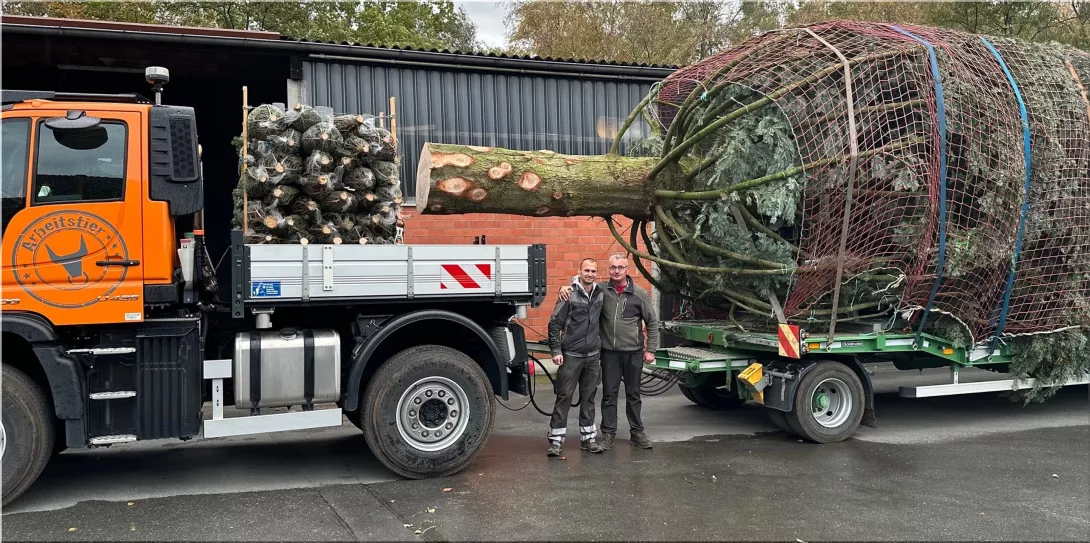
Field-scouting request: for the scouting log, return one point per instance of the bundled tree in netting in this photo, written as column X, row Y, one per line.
column 309, row 176
column 934, row 180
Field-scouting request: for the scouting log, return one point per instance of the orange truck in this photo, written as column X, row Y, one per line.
column 111, row 336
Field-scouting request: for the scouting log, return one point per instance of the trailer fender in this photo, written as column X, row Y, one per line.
column 61, row 371
column 780, row 393
column 367, row 344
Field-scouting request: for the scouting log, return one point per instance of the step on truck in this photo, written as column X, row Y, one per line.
column 816, row 386
column 110, row 336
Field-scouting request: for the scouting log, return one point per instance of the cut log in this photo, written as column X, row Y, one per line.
column 466, row 179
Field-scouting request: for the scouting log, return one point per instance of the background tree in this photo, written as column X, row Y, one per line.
column 420, row 24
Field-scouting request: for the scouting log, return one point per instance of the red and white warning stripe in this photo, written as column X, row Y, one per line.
column 465, row 276
column 790, row 338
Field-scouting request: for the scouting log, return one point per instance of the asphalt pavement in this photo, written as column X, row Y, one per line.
column 955, row 468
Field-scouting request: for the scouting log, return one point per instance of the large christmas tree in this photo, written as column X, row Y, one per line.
column 926, row 178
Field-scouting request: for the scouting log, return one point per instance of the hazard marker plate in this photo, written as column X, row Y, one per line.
column 789, row 340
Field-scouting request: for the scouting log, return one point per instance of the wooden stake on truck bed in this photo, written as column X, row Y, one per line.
column 245, row 117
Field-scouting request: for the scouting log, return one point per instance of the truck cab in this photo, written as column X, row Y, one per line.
column 86, row 221
column 114, row 328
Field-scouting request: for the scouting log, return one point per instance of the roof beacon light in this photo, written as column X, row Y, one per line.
column 157, row 76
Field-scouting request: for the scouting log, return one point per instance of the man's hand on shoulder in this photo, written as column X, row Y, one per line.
column 564, row 294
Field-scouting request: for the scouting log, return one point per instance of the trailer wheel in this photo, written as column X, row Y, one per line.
column 829, row 403
column 427, row 411
column 779, row 418
column 712, row 398
column 26, row 432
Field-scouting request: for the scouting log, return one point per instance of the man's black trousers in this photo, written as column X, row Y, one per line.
column 584, row 371
column 620, row 366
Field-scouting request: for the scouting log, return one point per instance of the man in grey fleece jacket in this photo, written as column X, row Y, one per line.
column 575, row 342
column 626, row 309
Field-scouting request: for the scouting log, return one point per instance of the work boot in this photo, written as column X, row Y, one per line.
column 641, row 440
column 592, row 446
column 554, row 449
column 607, row 442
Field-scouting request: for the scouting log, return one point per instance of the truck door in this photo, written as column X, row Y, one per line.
column 73, row 238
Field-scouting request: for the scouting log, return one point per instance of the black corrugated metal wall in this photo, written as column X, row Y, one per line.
column 569, row 115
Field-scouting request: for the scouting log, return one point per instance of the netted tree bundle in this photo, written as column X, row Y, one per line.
column 301, row 117
column 281, row 196
column 379, row 141
column 322, row 137
column 318, row 162
column 319, row 185
column 325, row 231
column 360, row 178
column 307, row 173
column 935, row 180
column 307, row 208
column 348, row 124
column 341, row 201
column 264, row 121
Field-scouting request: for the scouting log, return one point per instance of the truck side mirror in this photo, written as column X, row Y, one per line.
column 74, row 120
column 78, row 131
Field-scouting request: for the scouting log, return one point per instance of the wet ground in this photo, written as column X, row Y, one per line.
column 956, row 468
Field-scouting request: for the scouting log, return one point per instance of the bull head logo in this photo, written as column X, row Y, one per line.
column 72, row 262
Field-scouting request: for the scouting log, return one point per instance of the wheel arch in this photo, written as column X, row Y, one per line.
column 440, row 327
column 31, row 344
column 804, row 367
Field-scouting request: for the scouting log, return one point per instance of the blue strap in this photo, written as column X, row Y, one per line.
column 1025, row 199
column 942, row 177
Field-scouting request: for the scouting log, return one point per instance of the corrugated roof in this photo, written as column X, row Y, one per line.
column 489, row 54
column 250, row 35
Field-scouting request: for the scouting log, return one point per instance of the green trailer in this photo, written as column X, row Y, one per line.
column 813, row 386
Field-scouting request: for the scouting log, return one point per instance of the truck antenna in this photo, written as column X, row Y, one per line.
column 157, row 76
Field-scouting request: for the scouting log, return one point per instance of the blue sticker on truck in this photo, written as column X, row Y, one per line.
column 264, row 289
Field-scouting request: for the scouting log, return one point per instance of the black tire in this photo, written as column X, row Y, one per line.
column 449, row 371
column 837, row 382
column 28, row 422
column 779, row 418
column 688, row 393
column 711, row 397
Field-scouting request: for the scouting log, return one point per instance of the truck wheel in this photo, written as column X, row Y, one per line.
column 779, row 418
column 26, row 432
column 427, row 411
column 711, row 397
column 828, row 403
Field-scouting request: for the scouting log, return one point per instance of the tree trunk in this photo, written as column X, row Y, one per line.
column 454, row 179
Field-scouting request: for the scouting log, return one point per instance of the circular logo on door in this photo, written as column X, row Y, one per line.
column 56, row 259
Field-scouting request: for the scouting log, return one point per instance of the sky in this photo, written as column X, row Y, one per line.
column 488, row 16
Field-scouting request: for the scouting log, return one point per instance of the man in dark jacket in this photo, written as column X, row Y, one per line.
column 575, row 343
column 626, row 309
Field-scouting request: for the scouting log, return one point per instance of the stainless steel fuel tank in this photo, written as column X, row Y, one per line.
column 278, row 359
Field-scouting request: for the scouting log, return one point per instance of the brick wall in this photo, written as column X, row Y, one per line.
column 568, row 241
